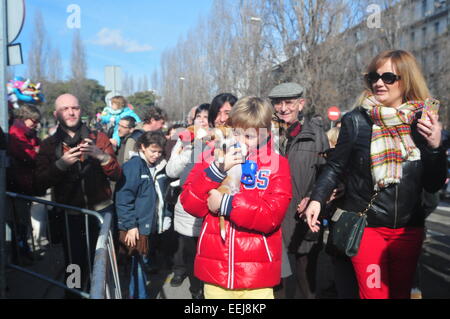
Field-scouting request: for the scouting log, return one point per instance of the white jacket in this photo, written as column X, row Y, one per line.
column 184, row 223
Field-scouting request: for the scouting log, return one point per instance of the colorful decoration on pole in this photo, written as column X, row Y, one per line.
column 23, row 91
column 334, row 113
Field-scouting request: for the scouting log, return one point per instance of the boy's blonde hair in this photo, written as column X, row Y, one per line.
column 251, row 112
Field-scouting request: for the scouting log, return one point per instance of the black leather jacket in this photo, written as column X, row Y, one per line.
column 396, row 206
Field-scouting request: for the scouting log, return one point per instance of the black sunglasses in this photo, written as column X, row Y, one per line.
column 387, row 77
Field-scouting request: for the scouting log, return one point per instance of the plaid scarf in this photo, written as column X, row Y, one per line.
column 391, row 142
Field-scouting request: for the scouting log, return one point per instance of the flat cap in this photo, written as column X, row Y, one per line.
column 286, row 90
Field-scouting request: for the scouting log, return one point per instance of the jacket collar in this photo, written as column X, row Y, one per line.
column 160, row 165
column 306, row 132
column 20, row 124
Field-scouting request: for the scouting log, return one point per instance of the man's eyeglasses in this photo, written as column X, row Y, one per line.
column 387, row 77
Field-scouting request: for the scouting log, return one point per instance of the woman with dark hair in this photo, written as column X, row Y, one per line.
column 220, row 109
column 389, row 154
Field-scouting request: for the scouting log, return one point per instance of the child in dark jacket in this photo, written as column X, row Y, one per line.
column 138, row 206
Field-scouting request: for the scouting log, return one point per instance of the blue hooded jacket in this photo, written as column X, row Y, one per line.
column 136, row 197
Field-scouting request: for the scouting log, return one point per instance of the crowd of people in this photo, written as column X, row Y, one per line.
column 268, row 237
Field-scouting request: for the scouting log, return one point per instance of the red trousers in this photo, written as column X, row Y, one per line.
column 386, row 262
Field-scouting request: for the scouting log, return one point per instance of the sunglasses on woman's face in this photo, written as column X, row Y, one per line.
column 387, row 77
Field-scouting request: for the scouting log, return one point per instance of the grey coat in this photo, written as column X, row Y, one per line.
column 304, row 163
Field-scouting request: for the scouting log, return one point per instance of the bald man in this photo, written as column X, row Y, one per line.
column 77, row 164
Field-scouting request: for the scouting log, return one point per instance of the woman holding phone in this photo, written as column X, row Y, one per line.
column 389, row 154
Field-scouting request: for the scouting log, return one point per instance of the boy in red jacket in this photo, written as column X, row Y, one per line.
column 247, row 264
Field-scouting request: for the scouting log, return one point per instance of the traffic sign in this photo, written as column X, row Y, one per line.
column 113, row 78
column 15, row 18
column 334, row 113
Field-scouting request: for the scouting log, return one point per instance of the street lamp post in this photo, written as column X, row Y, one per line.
column 182, row 97
column 258, row 21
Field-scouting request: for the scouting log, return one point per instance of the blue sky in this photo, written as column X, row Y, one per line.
column 128, row 33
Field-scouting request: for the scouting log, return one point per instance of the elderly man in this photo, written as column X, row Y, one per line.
column 77, row 164
column 301, row 144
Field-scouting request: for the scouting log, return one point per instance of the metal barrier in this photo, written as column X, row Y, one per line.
column 105, row 282
column 104, row 276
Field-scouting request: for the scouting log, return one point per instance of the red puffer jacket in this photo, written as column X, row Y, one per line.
column 250, row 257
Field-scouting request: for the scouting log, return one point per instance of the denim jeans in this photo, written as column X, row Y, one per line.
column 138, row 278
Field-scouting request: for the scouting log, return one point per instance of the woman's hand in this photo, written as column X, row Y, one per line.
column 431, row 130
column 302, row 206
column 132, row 237
column 312, row 213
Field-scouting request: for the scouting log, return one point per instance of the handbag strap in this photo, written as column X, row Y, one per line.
column 369, row 206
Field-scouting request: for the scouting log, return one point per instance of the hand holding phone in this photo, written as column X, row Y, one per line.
column 71, row 154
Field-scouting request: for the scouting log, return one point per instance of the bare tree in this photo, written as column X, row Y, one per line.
column 37, row 55
column 145, row 86
column 78, row 61
column 155, row 80
column 139, row 85
column 303, row 40
column 55, row 68
column 125, row 85
column 131, row 84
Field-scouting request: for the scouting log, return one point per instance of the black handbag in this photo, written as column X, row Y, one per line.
column 347, row 230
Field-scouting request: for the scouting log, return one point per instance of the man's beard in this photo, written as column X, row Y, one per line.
column 65, row 126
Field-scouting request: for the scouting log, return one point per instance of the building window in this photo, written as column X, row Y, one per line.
column 436, row 29
column 424, row 7
column 424, row 62
column 436, row 60
column 424, row 36
column 413, row 37
column 357, row 37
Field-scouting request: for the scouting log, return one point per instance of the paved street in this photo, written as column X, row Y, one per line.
column 435, row 261
column 434, row 268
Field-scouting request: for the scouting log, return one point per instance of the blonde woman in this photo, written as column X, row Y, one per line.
column 384, row 148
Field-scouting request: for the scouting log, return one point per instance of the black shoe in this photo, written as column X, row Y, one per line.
column 198, row 295
column 177, row 280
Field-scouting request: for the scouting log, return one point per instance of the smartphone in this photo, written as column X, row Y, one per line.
column 431, row 107
column 67, row 148
column 86, row 141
